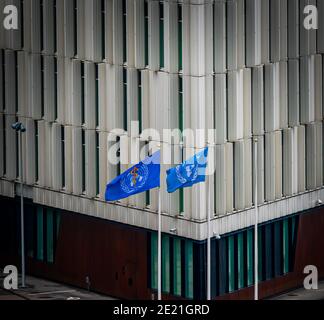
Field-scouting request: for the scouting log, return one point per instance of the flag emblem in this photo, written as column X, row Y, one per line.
column 135, row 179
column 188, row 173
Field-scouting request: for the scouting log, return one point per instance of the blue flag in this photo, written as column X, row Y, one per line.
column 141, row 177
column 189, row 173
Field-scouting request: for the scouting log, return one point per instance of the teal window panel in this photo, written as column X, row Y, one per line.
column 260, row 254
column 50, row 236
column 177, row 267
column 240, row 260
column 189, row 269
column 154, row 261
column 58, row 224
column 250, row 256
column 285, row 246
column 165, row 264
column 40, row 234
column 180, row 23
column 231, row 264
column 278, row 255
column 268, row 235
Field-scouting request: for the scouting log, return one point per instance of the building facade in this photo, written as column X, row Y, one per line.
column 77, row 70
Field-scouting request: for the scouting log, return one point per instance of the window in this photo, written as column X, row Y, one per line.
column 41, row 25
column 97, row 94
column 146, row 27
column 161, row 6
column 82, row 93
column 63, row 155
column 250, row 257
column 189, row 269
column 180, row 24
column 103, row 29
column 83, row 161
column 139, row 80
column 240, row 260
column 176, row 267
column 154, row 261
column 36, row 151
column 55, row 88
column 22, row 24
column 286, row 246
column 231, row 264
column 97, row 164
column 55, row 24
column 75, row 27
column 165, row 264
column 40, row 234
column 49, row 236
column 42, row 86
column 124, row 31
column 125, row 97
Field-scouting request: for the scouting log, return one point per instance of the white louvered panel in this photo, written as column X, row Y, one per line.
column 103, row 163
column 132, row 98
column 27, row 25
column 68, row 151
column 68, row 95
column 278, row 164
column 307, row 87
column 319, row 153
column 301, row 158
column 171, row 41
column 293, row 93
column 208, row 32
column 265, row 31
column 77, row 160
column 92, row 30
column 258, row 100
column 260, row 169
column 81, row 14
column 89, row 95
column 109, row 31
column 49, row 89
column 139, row 45
column 318, row 88
column 90, row 164
column 23, row 82
column 30, row 151
column 320, row 31
column 232, row 35
column 283, row 29
column 219, row 36
column 102, row 97
column 48, row 159
column 199, row 203
column 76, row 93
column 229, row 176
column 239, row 181
column 69, row 25
column 153, row 88
column 48, row 26
column 311, row 156
column 270, row 166
column 130, row 33
column 41, row 154
column 307, row 37
column 2, row 151
column 36, row 85
column 154, row 35
column 61, row 90
column 235, row 105
column 10, row 81
column 283, row 94
column 220, row 108
column 125, row 160
column 248, row 172
column 145, row 99
column 134, row 158
column 114, row 91
column 118, row 32
column 293, row 29
column 60, row 25
column 220, row 179
column 35, row 26
column 56, row 157
column 253, row 32
column 209, row 108
column 272, row 97
column 290, row 161
column 186, row 38
column 11, row 153
column 247, row 102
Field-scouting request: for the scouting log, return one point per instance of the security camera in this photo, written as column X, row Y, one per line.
column 319, row 202
column 18, row 126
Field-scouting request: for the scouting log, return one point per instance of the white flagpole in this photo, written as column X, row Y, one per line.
column 159, row 249
column 208, row 244
column 256, row 257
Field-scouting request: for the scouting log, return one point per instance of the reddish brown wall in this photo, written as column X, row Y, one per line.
column 112, row 255
column 309, row 251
